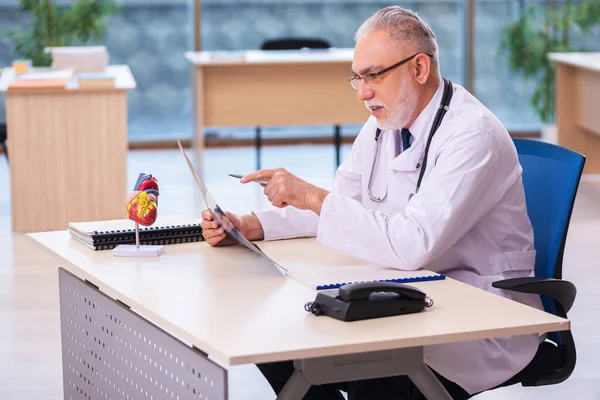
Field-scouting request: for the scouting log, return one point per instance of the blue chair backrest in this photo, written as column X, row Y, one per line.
column 551, row 176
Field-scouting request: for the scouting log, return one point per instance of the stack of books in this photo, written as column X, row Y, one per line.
column 95, row 80
column 81, row 58
column 40, row 79
column 106, row 235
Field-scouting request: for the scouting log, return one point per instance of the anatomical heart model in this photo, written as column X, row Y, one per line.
column 142, row 203
column 142, row 208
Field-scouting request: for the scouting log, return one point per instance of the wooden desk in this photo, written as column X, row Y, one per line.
column 68, row 152
column 226, row 306
column 262, row 88
column 577, row 98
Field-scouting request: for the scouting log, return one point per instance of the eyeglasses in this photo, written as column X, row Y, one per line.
column 357, row 81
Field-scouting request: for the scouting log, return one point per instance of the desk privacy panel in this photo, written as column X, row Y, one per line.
column 112, row 353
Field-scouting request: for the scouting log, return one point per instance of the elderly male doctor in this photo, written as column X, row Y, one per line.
column 467, row 220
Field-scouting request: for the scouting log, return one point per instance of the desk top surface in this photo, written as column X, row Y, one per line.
column 257, row 57
column 589, row 61
column 123, row 80
column 236, row 307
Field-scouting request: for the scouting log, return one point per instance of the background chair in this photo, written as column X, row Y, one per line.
column 294, row 44
column 297, row 44
column 551, row 177
column 3, row 137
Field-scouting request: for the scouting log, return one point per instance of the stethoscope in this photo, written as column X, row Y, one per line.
column 443, row 108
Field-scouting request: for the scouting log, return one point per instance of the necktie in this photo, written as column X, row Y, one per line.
column 405, row 139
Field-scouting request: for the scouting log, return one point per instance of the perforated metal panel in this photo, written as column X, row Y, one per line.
column 109, row 352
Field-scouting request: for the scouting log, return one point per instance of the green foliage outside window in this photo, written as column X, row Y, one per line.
column 543, row 28
column 50, row 25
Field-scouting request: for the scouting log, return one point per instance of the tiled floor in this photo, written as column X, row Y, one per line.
column 30, row 366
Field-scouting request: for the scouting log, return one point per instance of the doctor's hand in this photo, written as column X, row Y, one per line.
column 286, row 189
column 215, row 235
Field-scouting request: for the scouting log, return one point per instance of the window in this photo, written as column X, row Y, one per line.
column 504, row 92
column 243, row 24
column 151, row 36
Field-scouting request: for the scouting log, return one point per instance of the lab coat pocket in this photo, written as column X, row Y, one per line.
column 406, row 163
column 403, row 175
column 513, row 261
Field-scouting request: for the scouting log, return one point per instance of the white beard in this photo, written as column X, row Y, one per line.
column 400, row 113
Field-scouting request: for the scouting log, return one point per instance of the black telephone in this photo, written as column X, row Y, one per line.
column 359, row 301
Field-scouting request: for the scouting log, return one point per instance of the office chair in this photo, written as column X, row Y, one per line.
column 294, row 44
column 297, row 44
column 3, row 136
column 551, row 176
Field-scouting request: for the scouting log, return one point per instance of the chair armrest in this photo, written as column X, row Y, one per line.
column 562, row 291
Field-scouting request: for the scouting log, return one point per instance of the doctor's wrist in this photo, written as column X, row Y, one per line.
column 253, row 229
column 317, row 198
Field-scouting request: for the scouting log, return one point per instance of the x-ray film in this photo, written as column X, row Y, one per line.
column 220, row 216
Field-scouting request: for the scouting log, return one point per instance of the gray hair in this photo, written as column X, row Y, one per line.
column 404, row 26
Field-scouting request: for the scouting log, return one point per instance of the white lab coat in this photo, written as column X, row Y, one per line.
column 468, row 221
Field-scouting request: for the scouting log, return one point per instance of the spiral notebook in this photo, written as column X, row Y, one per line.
column 105, row 235
column 331, row 278
column 321, row 267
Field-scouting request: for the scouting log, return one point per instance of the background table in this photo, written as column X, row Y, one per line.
column 68, row 152
column 266, row 88
column 577, row 99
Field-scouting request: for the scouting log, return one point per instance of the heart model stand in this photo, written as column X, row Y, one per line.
column 142, row 207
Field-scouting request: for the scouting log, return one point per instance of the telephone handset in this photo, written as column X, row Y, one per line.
column 364, row 291
column 369, row 300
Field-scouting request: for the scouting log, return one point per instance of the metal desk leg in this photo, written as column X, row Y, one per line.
column 258, row 145
column 295, row 388
column 338, row 144
column 377, row 364
column 428, row 383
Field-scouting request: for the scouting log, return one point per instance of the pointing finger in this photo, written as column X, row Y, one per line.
column 263, row 174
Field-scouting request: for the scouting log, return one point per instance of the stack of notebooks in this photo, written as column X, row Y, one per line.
column 106, row 235
column 81, row 59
